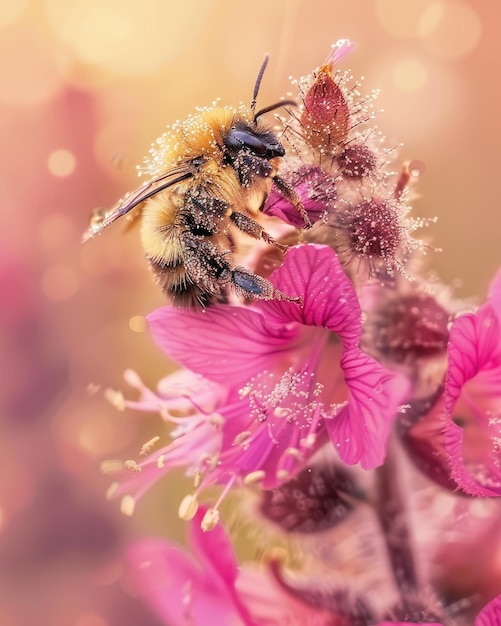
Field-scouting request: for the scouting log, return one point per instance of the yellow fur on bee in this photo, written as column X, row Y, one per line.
column 200, row 135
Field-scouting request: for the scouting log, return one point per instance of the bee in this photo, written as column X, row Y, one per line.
column 206, row 174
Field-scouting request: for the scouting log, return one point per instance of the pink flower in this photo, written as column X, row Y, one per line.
column 295, row 374
column 472, row 397
column 458, row 441
column 315, row 188
column 209, row 588
column 188, row 401
column 179, row 393
column 184, row 590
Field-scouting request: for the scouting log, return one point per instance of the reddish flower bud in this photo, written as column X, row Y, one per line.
column 317, row 499
column 375, row 229
column 412, row 327
column 326, row 114
column 357, row 160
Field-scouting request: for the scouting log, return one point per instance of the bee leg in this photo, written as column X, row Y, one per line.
column 293, row 197
column 256, row 287
column 250, row 227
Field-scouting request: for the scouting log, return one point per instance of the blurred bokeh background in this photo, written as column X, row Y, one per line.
column 85, row 87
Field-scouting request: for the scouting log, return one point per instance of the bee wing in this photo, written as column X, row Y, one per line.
column 99, row 220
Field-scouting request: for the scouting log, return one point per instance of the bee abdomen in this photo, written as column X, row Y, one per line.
column 203, row 213
column 198, row 276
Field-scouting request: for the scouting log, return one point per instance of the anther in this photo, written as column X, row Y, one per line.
column 130, row 464
column 210, row 520
column 111, row 466
column 197, row 479
column 115, row 398
column 127, row 505
column 254, row 477
column 146, row 447
column 188, row 507
column 112, row 490
column 132, row 378
column 283, row 474
column 242, row 438
column 216, row 419
column 309, row 441
column 294, row 453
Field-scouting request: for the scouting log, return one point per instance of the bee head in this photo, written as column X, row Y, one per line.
column 263, row 144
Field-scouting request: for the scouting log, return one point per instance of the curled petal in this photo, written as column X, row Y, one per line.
column 490, row 615
column 473, row 385
column 316, row 189
column 474, row 345
column 329, row 298
column 361, row 429
column 182, row 589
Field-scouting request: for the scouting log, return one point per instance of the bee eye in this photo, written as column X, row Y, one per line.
column 241, row 139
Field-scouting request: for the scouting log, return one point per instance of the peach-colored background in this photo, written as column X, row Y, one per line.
column 85, row 87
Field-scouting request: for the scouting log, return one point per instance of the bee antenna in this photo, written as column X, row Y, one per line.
column 272, row 107
column 258, row 81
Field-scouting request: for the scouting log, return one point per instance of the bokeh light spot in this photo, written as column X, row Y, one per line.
column 450, row 29
column 126, row 38
column 138, row 324
column 11, row 11
column 97, row 31
column 61, row 163
column 430, row 18
column 32, row 68
column 417, row 168
column 59, row 283
column 409, row 75
column 400, row 19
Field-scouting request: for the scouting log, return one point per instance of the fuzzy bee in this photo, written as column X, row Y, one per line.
column 206, row 173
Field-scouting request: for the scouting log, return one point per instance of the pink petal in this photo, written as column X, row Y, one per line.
column 361, row 429
column 329, row 298
column 482, row 481
column 178, row 392
column 184, row 452
column 223, row 343
column 316, row 190
column 475, row 366
column 490, row 615
column 232, row 343
column 176, row 588
column 474, row 343
column 339, row 50
column 270, row 605
column 213, row 550
column 422, row 432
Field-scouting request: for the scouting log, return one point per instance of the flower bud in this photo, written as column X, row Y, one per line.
column 326, row 116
